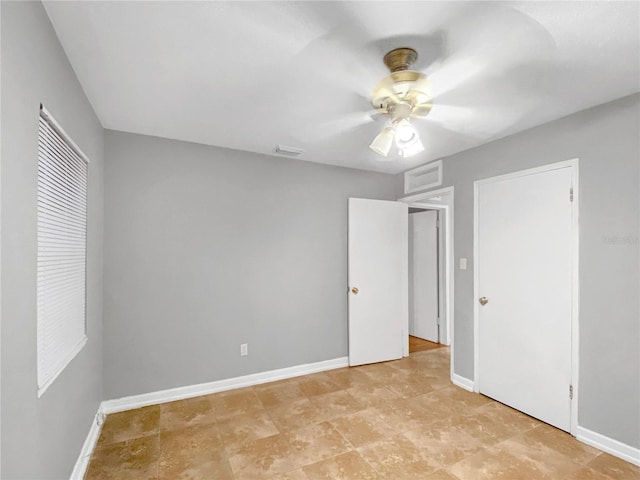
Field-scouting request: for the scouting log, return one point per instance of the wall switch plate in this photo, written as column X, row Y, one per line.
column 244, row 349
column 463, row 264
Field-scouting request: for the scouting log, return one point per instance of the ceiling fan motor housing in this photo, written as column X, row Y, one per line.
column 400, row 59
column 402, row 87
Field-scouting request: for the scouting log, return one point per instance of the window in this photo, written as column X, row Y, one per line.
column 62, row 250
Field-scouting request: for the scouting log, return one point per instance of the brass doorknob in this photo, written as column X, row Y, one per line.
column 354, row 290
column 483, row 300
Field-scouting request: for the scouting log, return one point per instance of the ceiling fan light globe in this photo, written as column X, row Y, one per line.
column 382, row 143
column 405, row 133
column 413, row 149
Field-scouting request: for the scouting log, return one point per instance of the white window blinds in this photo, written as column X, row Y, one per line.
column 62, row 250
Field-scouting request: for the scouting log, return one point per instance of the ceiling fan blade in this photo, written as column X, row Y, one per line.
column 479, row 122
column 338, row 59
column 487, row 41
column 321, row 131
column 461, row 120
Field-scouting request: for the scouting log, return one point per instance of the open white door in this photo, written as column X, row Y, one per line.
column 377, row 280
column 423, row 275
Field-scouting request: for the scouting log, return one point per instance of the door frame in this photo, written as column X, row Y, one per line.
column 422, row 200
column 575, row 303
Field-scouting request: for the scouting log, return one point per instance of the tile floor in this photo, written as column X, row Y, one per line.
column 397, row 420
column 419, row 345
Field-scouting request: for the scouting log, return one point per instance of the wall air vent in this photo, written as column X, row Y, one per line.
column 289, row 151
column 424, row 177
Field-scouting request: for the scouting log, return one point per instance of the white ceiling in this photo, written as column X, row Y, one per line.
column 251, row 75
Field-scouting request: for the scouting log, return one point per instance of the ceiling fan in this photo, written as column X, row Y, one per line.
column 400, row 97
column 426, row 87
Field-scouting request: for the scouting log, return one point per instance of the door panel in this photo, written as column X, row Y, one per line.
column 524, row 235
column 423, row 275
column 378, row 269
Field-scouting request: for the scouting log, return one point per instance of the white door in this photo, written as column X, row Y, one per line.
column 524, row 248
column 423, row 275
column 377, row 280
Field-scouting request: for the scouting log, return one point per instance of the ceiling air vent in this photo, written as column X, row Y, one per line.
column 289, row 151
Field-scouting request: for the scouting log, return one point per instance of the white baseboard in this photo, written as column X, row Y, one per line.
column 82, row 463
column 180, row 393
column 462, row 382
column 609, row 445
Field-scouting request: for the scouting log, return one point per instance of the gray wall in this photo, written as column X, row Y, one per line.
column 41, row 438
column 207, row 248
column 606, row 140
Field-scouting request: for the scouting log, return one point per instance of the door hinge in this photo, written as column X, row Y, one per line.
column 571, row 194
column 570, row 392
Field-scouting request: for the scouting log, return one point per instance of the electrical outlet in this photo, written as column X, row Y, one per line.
column 244, row 349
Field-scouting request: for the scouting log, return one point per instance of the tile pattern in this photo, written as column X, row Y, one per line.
column 400, row 420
